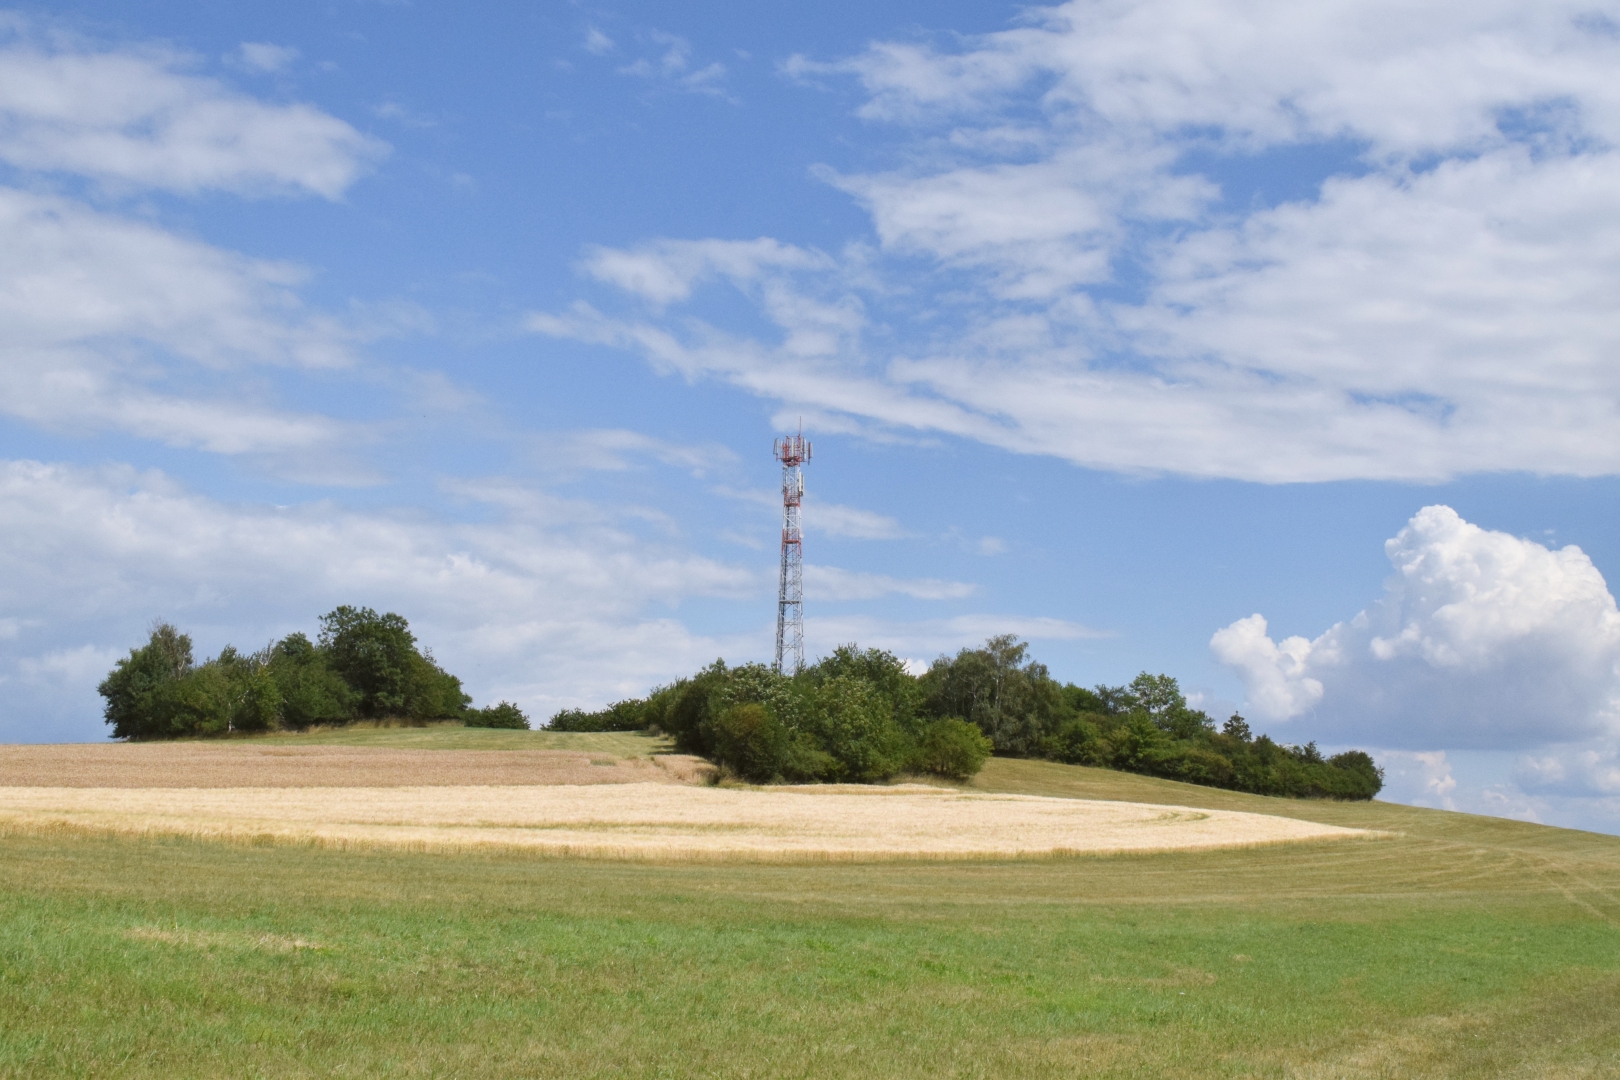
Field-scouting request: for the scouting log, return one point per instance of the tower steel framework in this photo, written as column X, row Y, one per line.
column 792, row 451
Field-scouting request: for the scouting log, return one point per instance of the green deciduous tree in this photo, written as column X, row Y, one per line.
column 376, row 656
column 365, row 664
column 134, row 688
column 311, row 692
column 858, row 715
column 1014, row 702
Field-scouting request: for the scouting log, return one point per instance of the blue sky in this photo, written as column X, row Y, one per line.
column 1114, row 326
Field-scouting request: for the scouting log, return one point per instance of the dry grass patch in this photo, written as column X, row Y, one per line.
column 660, row 820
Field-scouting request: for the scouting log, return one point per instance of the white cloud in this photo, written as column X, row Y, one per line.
column 108, row 323
column 674, row 65
column 549, row 603
column 399, row 114
column 134, row 116
column 1413, row 78
column 1424, row 778
column 1076, row 259
column 111, row 323
column 265, row 57
column 1273, row 672
column 87, row 664
column 1481, row 640
column 852, row 522
column 1041, row 228
column 1589, row 772
column 616, row 450
column 824, row 518
column 666, row 270
column 832, row 584
column 596, row 42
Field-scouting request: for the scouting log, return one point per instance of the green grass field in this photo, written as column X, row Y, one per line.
column 1465, row 947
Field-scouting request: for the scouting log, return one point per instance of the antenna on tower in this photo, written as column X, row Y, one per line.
column 792, row 451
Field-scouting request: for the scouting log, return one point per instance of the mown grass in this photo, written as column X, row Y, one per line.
column 1466, row 947
column 453, row 736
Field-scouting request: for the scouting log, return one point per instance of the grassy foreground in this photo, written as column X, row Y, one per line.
column 1467, row 947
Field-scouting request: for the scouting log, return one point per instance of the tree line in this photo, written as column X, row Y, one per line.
column 362, row 666
column 859, row 715
column 856, row 716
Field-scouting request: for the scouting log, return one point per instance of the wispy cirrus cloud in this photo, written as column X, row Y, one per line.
column 673, row 65
column 265, row 57
column 832, row 584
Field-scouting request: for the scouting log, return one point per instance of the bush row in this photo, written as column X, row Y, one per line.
column 853, row 717
column 362, row 666
column 860, row 716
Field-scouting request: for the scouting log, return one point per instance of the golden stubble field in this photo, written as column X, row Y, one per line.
column 560, row 802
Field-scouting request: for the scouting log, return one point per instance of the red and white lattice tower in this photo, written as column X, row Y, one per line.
column 792, row 451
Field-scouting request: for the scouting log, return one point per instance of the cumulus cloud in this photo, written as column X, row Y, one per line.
column 1420, row 778
column 135, row 116
column 1481, row 640
column 1077, row 261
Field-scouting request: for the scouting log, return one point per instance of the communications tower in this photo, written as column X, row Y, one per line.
column 792, row 451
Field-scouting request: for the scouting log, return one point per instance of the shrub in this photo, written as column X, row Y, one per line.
column 1077, row 741
column 682, row 709
column 952, row 748
column 501, row 715
column 1131, row 745
column 854, row 725
column 620, row 716
column 751, row 742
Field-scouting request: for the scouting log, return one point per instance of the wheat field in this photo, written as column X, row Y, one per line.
column 1455, row 948
column 658, row 820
